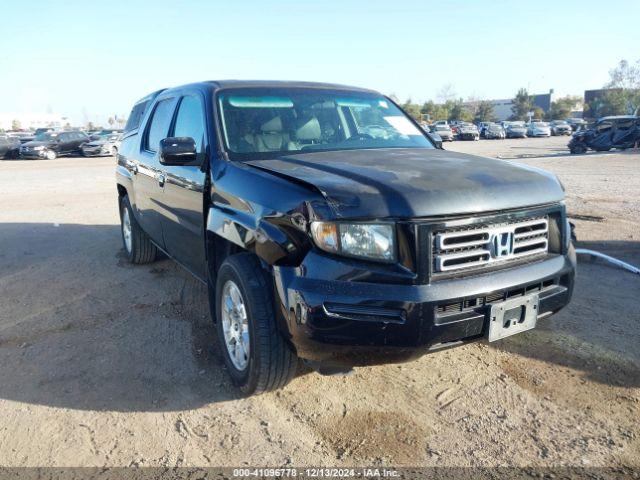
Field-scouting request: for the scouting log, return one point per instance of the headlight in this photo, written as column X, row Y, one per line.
column 374, row 241
column 38, row 148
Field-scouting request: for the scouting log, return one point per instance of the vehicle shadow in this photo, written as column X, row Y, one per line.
column 81, row 328
column 598, row 333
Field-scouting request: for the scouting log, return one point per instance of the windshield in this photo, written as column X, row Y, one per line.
column 442, row 128
column 261, row 123
column 540, row 124
column 46, row 136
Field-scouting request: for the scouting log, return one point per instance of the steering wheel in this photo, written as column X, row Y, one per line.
column 360, row 136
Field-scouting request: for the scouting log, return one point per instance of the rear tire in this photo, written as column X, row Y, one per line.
column 270, row 363
column 138, row 247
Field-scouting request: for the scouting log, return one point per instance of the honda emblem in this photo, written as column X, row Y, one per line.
column 502, row 244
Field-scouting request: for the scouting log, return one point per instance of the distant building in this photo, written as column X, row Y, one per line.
column 591, row 95
column 31, row 120
column 502, row 108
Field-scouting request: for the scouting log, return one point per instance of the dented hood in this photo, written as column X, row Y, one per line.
column 408, row 183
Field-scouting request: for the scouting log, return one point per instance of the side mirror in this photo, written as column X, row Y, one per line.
column 177, row 150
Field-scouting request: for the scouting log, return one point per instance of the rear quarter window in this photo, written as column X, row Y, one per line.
column 625, row 124
column 135, row 117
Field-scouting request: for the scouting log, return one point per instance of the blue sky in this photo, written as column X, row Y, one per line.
column 94, row 59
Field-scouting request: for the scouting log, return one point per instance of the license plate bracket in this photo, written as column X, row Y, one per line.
column 512, row 316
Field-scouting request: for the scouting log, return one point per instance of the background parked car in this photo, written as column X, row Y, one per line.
column 9, row 146
column 23, row 136
column 560, row 127
column 40, row 130
column 468, row 131
column 105, row 145
column 515, row 129
column 444, row 131
column 538, row 128
column 454, row 125
column 494, row 131
column 482, row 126
column 50, row 145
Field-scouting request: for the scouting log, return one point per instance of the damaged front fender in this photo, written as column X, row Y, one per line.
column 263, row 213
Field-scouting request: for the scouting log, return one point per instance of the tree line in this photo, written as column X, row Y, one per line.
column 621, row 97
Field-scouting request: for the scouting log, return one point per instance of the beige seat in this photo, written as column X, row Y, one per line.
column 271, row 138
column 308, row 132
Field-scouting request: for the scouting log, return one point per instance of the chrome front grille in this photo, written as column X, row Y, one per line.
column 479, row 246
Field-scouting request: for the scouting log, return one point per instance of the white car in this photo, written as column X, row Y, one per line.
column 538, row 129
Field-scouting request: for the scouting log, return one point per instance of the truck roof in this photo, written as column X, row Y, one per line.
column 220, row 84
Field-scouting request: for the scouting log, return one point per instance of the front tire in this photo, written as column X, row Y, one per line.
column 51, row 155
column 578, row 149
column 255, row 353
column 137, row 245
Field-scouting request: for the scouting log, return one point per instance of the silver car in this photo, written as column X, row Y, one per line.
column 515, row 129
column 106, row 145
column 494, row 131
column 560, row 127
column 444, row 131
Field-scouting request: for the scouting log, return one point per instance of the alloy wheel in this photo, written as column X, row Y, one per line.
column 126, row 230
column 235, row 325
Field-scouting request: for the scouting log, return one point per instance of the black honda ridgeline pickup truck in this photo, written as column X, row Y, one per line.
column 329, row 228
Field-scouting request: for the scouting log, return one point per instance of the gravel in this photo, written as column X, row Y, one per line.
column 107, row 364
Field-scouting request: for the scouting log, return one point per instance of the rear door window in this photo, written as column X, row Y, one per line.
column 159, row 124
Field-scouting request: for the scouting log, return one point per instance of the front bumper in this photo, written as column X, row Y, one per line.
column 347, row 323
column 33, row 153
column 95, row 152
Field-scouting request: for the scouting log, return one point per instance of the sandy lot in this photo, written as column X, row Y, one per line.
column 106, row 364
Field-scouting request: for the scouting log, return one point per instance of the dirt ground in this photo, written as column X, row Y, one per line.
column 106, row 364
